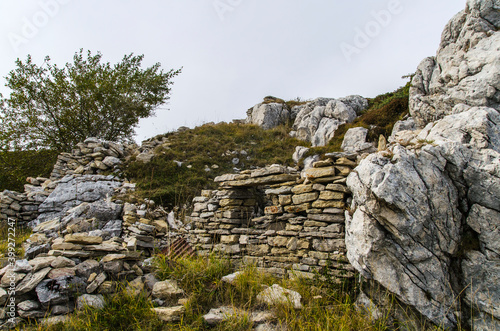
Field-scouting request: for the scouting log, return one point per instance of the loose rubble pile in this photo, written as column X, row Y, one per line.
column 301, row 229
column 91, row 157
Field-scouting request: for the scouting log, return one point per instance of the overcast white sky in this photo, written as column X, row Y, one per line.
column 235, row 52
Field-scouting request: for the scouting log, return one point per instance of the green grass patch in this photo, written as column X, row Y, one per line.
column 16, row 166
column 123, row 311
column 327, row 304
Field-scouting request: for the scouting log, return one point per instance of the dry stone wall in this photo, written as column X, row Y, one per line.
column 277, row 219
column 91, row 157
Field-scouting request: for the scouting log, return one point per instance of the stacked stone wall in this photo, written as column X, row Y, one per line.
column 281, row 220
column 91, row 157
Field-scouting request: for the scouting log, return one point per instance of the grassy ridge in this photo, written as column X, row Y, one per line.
column 209, row 147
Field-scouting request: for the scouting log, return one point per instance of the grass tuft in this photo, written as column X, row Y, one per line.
column 123, row 311
column 21, row 235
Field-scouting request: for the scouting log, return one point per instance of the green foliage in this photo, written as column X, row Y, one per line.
column 211, row 144
column 16, row 166
column 58, row 107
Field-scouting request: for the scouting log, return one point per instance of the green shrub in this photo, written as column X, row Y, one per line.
column 16, row 166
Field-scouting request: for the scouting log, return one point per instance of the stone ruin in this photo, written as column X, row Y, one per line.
column 273, row 218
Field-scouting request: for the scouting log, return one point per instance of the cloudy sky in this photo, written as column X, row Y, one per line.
column 234, row 52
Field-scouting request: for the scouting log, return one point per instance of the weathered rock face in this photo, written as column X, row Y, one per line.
column 466, row 67
column 318, row 120
column 414, row 208
column 268, row 115
column 355, row 141
column 72, row 191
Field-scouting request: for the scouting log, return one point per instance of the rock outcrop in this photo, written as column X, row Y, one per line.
column 415, row 206
column 426, row 210
column 71, row 191
column 466, row 67
column 318, row 120
column 315, row 121
column 268, row 115
column 355, row 141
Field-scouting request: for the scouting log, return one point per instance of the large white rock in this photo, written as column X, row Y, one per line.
column 355, row 141
column 408, row 226
column 465, row 68
column 88, row 191
column 268, row 115
column 275, row 295
column 318, row 120
column 166, row 289
column 299, row 153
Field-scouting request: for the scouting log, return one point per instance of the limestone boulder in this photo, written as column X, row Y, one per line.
column 408, row 231
column 268, row 115
column 318, row 120
column 71, row 191
column 465, row 68
column 276, row 294
column 355, row 141
column 166, row 289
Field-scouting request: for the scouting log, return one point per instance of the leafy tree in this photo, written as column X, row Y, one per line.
column 54, row 107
